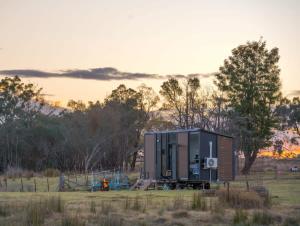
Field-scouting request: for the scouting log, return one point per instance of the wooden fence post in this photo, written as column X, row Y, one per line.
column 34, row 185
column 5, row 181
column 276, row 172
column 48, row 184
column 228, row 191
column 22, row 188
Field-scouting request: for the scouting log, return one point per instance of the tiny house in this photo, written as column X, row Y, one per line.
column 190, row 157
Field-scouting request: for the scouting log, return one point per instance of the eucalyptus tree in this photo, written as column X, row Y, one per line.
column 20, row 104
column 250, row 81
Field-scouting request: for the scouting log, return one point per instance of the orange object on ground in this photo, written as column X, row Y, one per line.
column 105, row 184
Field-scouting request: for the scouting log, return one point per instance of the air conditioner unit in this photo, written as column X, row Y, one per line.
column 211, row 163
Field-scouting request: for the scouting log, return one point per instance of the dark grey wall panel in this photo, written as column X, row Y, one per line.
column 205, row 138
column 158, row 156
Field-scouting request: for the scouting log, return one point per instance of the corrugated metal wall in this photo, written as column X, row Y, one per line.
column 225, row 161
column 182, row 139
column 149, row 156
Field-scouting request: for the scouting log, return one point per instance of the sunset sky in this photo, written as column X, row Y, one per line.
column 148, row 37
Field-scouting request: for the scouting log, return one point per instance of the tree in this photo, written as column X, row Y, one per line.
column 182, row 102
column 294, row 119
column 20, row 104
column 250, row 80
column 289, row 113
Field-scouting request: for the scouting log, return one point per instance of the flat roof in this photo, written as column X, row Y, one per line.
column 188, row 130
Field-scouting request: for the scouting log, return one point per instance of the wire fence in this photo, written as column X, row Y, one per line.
column 65, row 182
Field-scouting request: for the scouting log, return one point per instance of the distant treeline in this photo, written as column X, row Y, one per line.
column 246, row 103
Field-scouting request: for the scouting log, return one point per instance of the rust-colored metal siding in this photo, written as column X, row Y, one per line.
column 225, row 158
column 182, row 139
column 149, row 156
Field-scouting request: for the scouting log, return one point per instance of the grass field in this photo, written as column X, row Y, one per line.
column 178, row 207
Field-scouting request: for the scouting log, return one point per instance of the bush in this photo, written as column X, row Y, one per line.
column 240, row 199
column 15, row 172
column 50, row 172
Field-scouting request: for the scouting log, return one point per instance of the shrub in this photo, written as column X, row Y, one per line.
column 16, row 172
column 240, row 217
column 72, row 221
column 262, row 218
column 198, row 202
column 50, row 172
column 240, row 199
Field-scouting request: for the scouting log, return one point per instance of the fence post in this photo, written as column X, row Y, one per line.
column 61, row 185
column 247, row 183
column 34, row 184
column 227, row 192
column 5, row 181
column 48, row 184
column 22, row 188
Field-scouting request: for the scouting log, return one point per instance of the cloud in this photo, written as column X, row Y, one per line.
column 103, row 74
column 294, row 93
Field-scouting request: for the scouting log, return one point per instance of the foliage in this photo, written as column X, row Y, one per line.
column 191, row 106
column 94, row 136
column 289, row 113
column 250, row 80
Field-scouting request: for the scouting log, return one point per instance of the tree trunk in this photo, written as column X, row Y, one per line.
column 132, row 164
column 249, row 160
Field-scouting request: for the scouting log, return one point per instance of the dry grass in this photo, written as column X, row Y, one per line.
column 125, row 208
column 238, row 198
